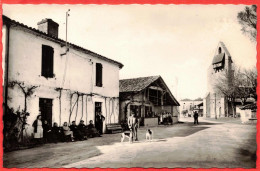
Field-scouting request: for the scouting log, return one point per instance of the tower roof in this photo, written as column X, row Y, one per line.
column 218, row 58
column 224, row 48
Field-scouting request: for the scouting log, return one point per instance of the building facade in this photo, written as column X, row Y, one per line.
column 61, row 81
column 189, row 106
column 215, row 103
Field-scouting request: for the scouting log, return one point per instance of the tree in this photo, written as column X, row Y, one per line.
column 251, row 81
column 248, row 19
column 237, row 84
column 227, row 85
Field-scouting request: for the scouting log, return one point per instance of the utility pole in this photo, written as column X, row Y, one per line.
column 67, row 15
column 215, row 107
column 66, row 50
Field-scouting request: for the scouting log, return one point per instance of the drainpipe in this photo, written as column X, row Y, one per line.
column 6, row 63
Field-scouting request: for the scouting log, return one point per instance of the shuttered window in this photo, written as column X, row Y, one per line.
column 47, row 61
column 99, row 75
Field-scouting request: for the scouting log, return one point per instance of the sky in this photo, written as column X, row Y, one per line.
column 177, row 42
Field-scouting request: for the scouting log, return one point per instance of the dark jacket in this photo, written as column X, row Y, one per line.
column 196, row 115
column 91, row 126
column 56, row 130
column 35, row 124
column 73, row 128
column 81, row 127
column 100, row 118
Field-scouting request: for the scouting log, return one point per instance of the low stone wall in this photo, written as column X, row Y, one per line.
column 150, row 121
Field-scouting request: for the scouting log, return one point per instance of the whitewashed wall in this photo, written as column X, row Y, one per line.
column 25, row 66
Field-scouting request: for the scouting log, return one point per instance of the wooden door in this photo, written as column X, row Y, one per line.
column 46, row 109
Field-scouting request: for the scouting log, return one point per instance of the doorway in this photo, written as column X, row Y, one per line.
column 45, row 106
column 98, row 108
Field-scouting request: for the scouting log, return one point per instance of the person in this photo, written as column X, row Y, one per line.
column 92, row 130
column 83, row 129
column 161, row 118
column 37, row 129
column 196, row 116
column 132, row 124
column 76, row 133
column 46, row 131
column 56, row 133
column 67, row 131
column 99, row 122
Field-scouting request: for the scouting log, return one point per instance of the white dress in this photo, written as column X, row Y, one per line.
column 39, row 133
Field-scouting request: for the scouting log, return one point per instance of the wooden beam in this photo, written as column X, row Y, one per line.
column 156, row 88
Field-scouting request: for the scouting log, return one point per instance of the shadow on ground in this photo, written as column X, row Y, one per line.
column 58, row 155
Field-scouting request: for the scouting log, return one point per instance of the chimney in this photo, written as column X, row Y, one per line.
column 49, row 26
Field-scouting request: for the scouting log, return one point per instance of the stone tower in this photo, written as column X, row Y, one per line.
column 215, row 103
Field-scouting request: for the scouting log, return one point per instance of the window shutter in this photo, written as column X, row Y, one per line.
column 99, row 74
column 47, row 61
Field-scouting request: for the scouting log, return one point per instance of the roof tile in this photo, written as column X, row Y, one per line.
column 136, row 84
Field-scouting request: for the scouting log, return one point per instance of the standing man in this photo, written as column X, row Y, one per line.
column 196, row 117
column 132, row 124
column 99, row 119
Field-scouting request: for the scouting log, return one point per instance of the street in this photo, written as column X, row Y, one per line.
column 209, row 144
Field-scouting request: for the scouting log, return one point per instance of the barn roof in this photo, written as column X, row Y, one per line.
column 136, row 84
column 140, row 83
column 7, row 20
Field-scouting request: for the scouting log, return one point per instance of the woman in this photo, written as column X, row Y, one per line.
column 67, row 131
column 38, row 130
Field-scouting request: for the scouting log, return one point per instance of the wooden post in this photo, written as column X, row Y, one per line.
column 148, row 93
column 162, row 99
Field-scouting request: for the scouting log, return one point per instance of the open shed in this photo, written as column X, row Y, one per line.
column 148, row 97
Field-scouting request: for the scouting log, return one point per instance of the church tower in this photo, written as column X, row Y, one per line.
column 216, row 104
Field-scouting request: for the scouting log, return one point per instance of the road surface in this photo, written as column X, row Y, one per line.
column 209, row 144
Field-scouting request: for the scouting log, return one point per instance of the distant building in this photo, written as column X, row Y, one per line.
column 215, row 104
column 189, row 106
column 147, row 96
column 71, row 83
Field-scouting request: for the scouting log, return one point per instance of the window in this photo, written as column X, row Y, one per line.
column 47, row 61
column 219, row 50
column 99, row 74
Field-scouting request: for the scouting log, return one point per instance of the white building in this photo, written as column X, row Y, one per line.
column 189, row 105
column 70, row 84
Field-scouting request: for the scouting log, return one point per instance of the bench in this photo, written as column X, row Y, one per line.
column 114, row 128
column 252, row 120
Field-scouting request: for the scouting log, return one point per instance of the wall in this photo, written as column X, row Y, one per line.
column 188, row 104
column 79, row 76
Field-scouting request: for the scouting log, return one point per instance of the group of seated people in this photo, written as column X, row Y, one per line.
column 164, row 118
column 73, row 132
